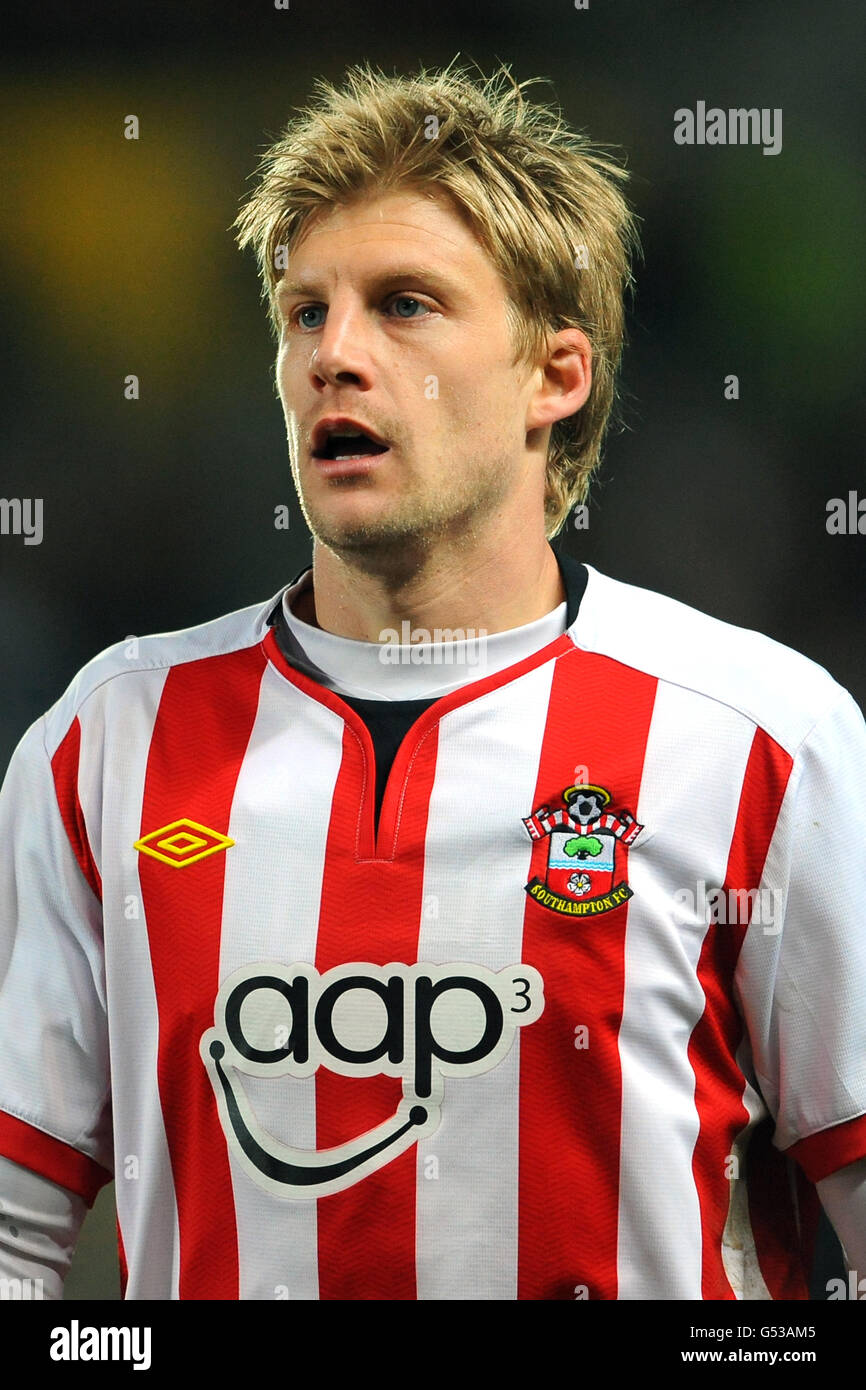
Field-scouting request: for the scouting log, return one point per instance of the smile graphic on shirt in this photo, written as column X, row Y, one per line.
column 422, row 1023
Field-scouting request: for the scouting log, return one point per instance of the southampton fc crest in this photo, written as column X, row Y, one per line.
column 583, row 844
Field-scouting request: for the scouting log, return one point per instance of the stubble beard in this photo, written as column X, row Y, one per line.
column 397, row 543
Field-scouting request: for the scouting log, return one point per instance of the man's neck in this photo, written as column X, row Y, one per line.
column 490, row 594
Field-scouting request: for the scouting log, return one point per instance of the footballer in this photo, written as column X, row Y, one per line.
column 522, row 957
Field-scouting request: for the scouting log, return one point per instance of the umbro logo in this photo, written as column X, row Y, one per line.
column 182, row 842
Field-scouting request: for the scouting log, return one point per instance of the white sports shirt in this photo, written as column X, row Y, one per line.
column 527, row 1033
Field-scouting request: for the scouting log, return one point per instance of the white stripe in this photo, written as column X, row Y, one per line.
column 486, row 772
column 680, row 645
column 144, row 1185
column 689, row 821
column 279, row 822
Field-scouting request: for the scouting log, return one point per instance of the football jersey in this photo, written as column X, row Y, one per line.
column 580, row 1014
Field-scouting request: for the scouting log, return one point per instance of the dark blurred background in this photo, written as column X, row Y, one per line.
column 117, row 259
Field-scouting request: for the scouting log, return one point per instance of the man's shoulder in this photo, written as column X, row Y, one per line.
column 132, row 664
column 781, row 690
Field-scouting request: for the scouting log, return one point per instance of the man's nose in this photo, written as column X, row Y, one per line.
column 342, row 354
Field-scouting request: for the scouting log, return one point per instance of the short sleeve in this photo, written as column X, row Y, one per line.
column 801, row 977
column 55, row 1114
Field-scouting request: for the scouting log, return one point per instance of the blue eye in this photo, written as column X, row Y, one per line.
column 405, row 306
column 406, row 299
column 310, row 309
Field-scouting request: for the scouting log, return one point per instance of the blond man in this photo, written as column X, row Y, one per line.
column 492, row 937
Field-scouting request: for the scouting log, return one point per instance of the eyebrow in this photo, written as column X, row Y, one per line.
column 400, row 275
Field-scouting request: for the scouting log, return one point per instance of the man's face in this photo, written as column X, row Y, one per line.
column 394, row 321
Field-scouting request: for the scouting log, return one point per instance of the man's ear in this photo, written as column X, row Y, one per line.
column 565, row 379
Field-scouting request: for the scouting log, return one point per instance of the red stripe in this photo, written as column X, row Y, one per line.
column 370, row 911
column 42, row 1153
column 719, row 1082
column 64, row 766
column 822, row 1154
column 200, row 738
column 570, row 1098
column 121, row 1258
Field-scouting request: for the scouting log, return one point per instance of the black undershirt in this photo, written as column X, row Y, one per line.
column 390, row 720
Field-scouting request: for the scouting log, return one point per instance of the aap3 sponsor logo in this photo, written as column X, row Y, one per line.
column 422, row 1023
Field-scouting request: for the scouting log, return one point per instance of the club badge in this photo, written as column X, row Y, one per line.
column 585, row 853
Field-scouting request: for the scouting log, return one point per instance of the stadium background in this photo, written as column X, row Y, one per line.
column 116, row 258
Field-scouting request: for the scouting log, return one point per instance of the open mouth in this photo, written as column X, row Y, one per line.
column 349, row 445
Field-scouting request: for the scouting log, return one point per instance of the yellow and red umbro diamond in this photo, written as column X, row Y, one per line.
column 182, row 842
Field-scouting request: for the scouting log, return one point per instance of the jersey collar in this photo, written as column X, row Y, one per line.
column 574, row 578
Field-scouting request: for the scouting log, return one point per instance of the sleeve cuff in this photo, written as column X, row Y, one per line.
column 42, row 1153
column 821, row 1154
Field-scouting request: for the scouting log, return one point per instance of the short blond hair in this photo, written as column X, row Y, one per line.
column 543, row 200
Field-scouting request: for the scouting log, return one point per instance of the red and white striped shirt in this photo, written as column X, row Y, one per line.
column 527, row 1034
